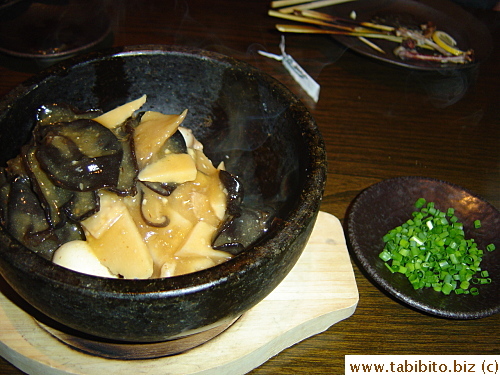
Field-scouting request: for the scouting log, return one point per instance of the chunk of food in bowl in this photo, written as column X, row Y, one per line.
column 124, row 194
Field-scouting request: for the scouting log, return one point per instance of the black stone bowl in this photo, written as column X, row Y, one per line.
column 244, row 117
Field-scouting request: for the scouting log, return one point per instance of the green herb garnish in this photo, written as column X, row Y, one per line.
column 431, row 250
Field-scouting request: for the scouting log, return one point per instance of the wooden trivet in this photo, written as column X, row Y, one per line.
column 319, row 292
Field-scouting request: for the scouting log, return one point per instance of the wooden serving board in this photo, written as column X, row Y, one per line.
column 319, row 292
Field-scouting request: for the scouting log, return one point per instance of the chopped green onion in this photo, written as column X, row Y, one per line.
column 431, row 250
column 464, row 285
column 447, row 288
column 420, row 203
column 389, row 267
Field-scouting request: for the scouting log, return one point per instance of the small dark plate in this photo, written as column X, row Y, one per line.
column 52, row 30
column 468, row 31
column 390, row 203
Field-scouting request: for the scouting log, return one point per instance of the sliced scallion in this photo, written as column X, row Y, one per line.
column 431, row 250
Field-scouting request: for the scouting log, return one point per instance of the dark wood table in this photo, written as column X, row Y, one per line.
column 378, row 121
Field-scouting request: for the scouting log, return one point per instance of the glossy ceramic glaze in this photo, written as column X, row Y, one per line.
column 244, row 117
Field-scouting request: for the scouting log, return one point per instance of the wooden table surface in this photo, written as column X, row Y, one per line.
column 378, row 121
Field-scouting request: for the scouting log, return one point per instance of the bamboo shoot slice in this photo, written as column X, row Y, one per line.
column 121, row 247
column 118, row 115
column 174, row 168
column 151, row 134
column 199, row 241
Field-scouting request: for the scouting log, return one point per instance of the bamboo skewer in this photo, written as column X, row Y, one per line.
column 294, row 17
column 285, row 3
column 371, row 44
column 313, row 5
column 315, row 14
column 297, row 18
column 314, row 30
column 329, row 18
column 362, row 30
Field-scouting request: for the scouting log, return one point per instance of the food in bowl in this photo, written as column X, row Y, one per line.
column 243, row 117
column 123, row 195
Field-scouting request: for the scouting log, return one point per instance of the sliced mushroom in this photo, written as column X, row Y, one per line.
column 243, row 225
column 51, row 114
column 152, row 210
column 129, row 169
column 132, row 122
column 52, row 198
column 82, row 205
column 4, row 195
column 238, row 233
column 81, row 155
column 162, row 188
column 225, row 238
column 15, row 166
column 25, row 220
column 234, row 192
column 55, row 188
column 58, row 237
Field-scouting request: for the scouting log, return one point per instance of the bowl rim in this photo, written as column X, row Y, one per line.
column 310, row 195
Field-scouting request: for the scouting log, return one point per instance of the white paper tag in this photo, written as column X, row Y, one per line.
column 310, row 86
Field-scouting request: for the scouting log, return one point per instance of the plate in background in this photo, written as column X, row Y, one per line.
column 468, row 31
